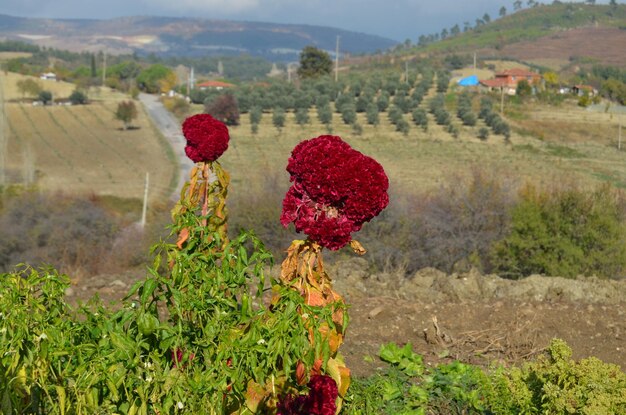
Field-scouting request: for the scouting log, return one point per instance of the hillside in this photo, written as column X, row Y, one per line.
column 166, row 36
column 564, row 32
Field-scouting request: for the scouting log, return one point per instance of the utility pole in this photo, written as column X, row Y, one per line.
column 474, row 63
column 619, row 134
column 104, row 67
column 337, row 60
column 145, row 201
column 406, row 71
column 502, row 100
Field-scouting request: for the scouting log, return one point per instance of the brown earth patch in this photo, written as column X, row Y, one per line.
column 479, row 319
column 604, row 44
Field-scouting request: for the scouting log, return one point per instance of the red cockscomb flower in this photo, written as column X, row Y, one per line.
column 321, row 399
column 207, row 138
column 336, row 189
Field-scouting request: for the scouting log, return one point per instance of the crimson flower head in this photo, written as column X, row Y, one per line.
column 335, row 190
column 321, row 399
column 207, row 138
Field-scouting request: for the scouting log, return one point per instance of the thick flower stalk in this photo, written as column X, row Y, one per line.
column 205, row 192
column 335, row 190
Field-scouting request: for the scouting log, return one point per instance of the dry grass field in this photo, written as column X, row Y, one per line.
column 82, row 149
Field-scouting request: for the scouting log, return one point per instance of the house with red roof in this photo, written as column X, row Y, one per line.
column 218, row 85
column 507, row 80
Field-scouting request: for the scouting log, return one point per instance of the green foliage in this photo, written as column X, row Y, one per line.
column 564, row 233
column 278, row 118
column 302, row 116
column 408, row 387
column 325, row 115
column 523, row 89
column 29, row 86
column 126, row 112
column 196, row 336
column 553, row 384
column 483, row 133
column 314, row 63
column 78, row 97
column 348, row 114
column 149, row 80
column 420, row 118
column 556, row 384
column 45, row 97
column 372, row 114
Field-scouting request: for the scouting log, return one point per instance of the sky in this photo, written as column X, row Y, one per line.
column 394, row 19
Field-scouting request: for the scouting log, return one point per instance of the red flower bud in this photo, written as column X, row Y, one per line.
column 207, row 138
column 335, row 190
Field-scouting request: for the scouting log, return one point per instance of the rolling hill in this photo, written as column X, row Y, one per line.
column 562, row 32
column 167, row 36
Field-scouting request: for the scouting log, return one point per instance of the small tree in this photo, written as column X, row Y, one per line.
column 314, row 63
column 256, row 113
column 483, row 133
column 126, row 112
column 523, row 88
column 348, row 114
column 224, row 108
column 372, row 114
column 278, row 118
column 78, row 97
column 45, row 97
column 28, row 86
column 302, row 116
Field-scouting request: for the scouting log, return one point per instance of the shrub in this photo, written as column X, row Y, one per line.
column 395, row 115
column 256, row 113
column 383, row 101
column 45, row 97
column 65, row 232
column 278, row 118
column 483, row 133
column 556, row 384
column 420, row 118
column 348, row 114
column 78, row 97
column 372, row 114
column 126, row 112
column 564, row 232
column 325, row 115
column 224, row 108
column 461, row 221
column 402, row 126
column 302, row 116
column 177, row 105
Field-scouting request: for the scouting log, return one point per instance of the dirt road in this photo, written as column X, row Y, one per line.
column 171, row 130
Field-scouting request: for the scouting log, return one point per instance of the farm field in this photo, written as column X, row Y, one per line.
column 82, row 149
column 548, row 144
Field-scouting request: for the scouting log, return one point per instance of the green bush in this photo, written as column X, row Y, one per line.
column 564, row 233
column 556, row 384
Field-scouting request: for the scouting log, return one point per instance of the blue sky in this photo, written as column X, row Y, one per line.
column 395, row 19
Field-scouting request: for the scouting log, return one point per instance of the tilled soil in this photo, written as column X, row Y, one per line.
column 479, row 319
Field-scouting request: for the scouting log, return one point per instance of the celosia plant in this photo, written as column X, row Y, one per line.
column 335, row 190
column 205, row 193
column 320, row 400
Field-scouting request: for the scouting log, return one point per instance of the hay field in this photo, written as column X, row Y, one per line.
column 82, row 149
column 422, row 161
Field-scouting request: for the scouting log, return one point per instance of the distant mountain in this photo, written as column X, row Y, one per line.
column 167, row 36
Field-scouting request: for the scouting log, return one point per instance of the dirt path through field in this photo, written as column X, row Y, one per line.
column 170, row 128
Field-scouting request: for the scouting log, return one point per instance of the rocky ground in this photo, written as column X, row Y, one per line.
column 475, row 318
